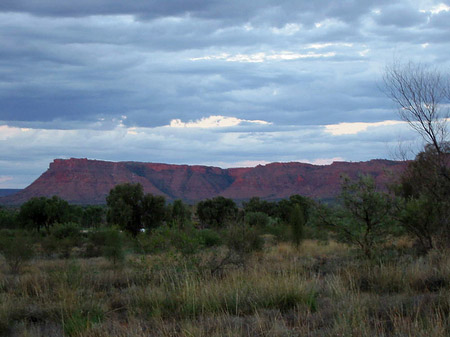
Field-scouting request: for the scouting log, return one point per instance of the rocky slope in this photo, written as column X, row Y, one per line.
column 85, row 181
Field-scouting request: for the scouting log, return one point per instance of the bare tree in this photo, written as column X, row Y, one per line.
column 422, row 95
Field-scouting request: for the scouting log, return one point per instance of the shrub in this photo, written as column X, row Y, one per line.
column 209, row 237
column 297, row 223
column 113, row 249
column 66, row 236
column 217, row 212
column 17, row 249
column 95, row 242
column 257, row 219
column 243, row 239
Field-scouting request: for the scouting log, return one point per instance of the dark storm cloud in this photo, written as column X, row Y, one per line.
column 236, row 11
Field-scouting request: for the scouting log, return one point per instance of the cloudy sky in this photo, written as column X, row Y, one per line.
column 223, row 83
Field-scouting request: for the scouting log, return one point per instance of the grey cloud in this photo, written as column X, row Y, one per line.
column 401, row 15
column 78, row 67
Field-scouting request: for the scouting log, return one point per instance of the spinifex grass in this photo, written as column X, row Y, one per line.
column 318, row 290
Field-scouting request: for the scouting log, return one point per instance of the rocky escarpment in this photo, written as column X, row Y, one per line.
column 85, row 181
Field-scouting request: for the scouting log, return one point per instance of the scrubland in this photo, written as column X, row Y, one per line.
column 318, row 289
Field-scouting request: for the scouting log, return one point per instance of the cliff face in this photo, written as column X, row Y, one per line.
column 86, row 181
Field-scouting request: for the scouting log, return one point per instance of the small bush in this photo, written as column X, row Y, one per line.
column 209, row 237
column 16, row 248
column 113, row 248
column 95, row 242
column 257, row 219
column 279, row 230
column 66, row 236
column 243, row 239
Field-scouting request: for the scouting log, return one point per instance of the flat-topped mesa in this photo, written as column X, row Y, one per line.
column 87, row 181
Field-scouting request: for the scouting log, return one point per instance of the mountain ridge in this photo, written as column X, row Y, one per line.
column 88, row 181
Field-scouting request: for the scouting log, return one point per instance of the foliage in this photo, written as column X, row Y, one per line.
column 424, row 192
column 63, row 238
column 113, row 248
column 153, row 211
column 92, row 216
column 125, row 207
column 17, row 248
column 8, row 218
column 243, row 239
column 422, row 95
column 364, row 216
column 285, row 207
column 209, row 237
column 217, row 212
column 132, row 211
column 165, row 238
column 257, row 219
column 42, row 212
column 179, row 214
column 255, row 204
column 297, row 224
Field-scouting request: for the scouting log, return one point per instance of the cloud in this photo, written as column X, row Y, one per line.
column 437, row 9
column 214, row 122
column 4, row 179
column 205, row 81
column 262, row 57
column 354, row 128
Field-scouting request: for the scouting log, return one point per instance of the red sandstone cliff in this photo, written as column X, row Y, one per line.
column 86, row 181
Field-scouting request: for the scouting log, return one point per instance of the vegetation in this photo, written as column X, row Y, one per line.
column 42, row 212
column 217, row 211
column 422, row 95
column 363, row 218
column 224, row 272
column 133, row 211
column 297, row 223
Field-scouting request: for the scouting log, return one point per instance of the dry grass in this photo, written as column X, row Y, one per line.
column 319, row 290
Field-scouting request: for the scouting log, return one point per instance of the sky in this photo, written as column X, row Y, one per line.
column 220, row 83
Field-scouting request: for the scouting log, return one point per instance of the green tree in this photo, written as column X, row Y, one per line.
column 125, row 207
column 364, row 217
column 297, row 223
column 255, row 204
column 8, row 218
column 284, row 207
column 132, row 211
column 424, row 206
column 153, row 211
column 93, row 216
column 180, row 214
column 42, row 212
column 217, row 211
column 257, row 219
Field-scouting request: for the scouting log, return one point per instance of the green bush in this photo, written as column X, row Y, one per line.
column 243, row 239
column 209, row 237
column 66, row 230
column 297, row 223
column 96, row 240
column 279, row 230
column 113, row 249
column 257, row 219
column 66, row 236
column 16, row 248
column 164, row 238
column 8, row 218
